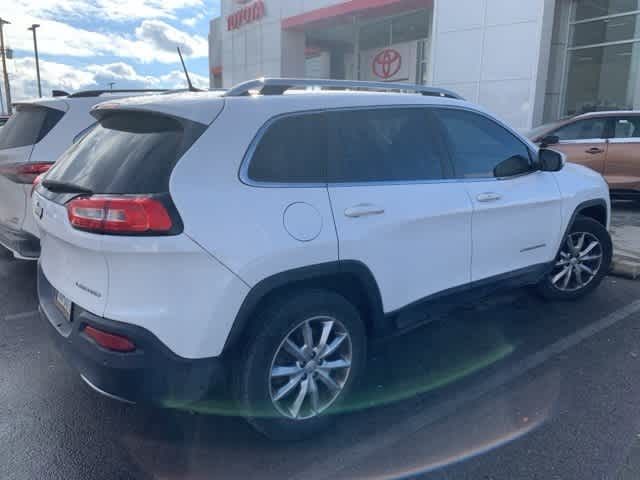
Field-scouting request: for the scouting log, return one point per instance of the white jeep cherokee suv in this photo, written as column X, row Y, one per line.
column 30, row 142
column 260, row 239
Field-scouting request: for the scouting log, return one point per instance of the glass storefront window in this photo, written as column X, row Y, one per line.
column 603, row 56
column 602, row 78
column 607, row 30
column 410, row 27
column 600, row 8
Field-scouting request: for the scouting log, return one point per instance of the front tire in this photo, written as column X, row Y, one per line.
column 582, row 262
column 300, row 364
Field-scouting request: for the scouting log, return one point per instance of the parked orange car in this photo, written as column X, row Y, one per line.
column 607, row 142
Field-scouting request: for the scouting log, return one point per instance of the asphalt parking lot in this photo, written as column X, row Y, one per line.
column 509, row 388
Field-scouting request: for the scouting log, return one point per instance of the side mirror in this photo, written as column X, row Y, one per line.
column 516, row 165
column 549, row 140
column 550, row 160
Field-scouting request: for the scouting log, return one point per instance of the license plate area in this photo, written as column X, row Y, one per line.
column 64, row 305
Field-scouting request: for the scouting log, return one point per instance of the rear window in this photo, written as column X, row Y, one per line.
column 28, row 125
column 127, row 153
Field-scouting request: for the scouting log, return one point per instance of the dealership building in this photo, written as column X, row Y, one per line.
column 529, row 61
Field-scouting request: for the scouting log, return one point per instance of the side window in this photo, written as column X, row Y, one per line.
column 384, row 145
column 292, row 150
column 628, row 127
column 28, row 125
column 582, row 130
column 478, row 145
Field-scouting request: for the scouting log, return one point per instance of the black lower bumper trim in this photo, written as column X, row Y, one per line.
column 21, row 243
column 150, row 374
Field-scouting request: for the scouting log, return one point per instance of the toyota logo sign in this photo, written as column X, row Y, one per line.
column 387, row 63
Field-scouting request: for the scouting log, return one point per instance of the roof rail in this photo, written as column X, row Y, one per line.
column 97, row 93
column 277, row 86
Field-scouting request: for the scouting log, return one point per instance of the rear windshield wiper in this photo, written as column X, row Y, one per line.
column 65, row 187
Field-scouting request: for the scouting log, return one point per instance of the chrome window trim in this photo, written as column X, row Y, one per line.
column 624, row 140
column 243, row 173
column 582, row 141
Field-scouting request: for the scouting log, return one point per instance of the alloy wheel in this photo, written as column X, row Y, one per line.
column 310, row 368
column 578, row 263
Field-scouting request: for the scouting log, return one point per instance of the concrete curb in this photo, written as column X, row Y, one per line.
column 623, row 266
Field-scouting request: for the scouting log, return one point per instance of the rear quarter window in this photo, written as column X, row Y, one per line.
column 293, row 149
column 28, row 125
column 127, row 153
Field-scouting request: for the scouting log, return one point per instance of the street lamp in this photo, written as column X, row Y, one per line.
column 7, row 87
column 111, row 84
column 35, row 47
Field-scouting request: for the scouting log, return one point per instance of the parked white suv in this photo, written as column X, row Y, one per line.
column 31, row 140
column 261, row 238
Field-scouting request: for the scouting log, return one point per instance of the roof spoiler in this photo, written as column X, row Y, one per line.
column 97, row 93
column 59, row 93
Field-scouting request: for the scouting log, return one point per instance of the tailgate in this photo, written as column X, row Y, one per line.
column 71, row 260
column 13, row 196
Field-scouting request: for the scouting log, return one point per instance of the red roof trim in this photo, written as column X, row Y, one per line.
column 335, row 12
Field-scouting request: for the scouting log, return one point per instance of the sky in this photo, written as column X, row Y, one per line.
column 85, row 44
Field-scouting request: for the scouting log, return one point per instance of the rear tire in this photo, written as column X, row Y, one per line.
column 277, row 357
column 582, row 262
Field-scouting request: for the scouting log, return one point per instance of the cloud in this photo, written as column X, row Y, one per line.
column 114, row 10
column 192, row 21
column 152, row 40
column 59, row 76
column 165, row 38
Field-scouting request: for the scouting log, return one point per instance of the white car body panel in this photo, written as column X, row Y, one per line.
column 396, row 244
column 517, row 229
column 579, row 184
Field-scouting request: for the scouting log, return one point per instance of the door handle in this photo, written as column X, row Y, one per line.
column 594, row 150
column 489, row 197
column 363, row 210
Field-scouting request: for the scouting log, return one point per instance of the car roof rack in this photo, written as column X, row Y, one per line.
column 97, row 93
column 277, row 86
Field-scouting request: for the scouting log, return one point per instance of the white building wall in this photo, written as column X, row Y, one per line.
column 263, row 48
column 494, row 53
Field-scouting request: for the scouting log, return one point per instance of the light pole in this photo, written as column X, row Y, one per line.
column 7, row 88
column 35, row 47
column 111, row 84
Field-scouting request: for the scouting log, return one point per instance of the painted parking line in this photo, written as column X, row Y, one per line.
column 345, row 458
column 21, row 316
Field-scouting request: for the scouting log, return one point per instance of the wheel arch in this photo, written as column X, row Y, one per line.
column 596, row 209
column 349, row 278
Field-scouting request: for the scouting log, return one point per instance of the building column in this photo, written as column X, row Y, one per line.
column 293, row 56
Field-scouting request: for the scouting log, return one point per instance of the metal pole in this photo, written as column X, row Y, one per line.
column 7, row 87
column 111, row 84
column 35, row 48
column 1, row 101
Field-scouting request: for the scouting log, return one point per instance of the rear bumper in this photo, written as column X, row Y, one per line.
column 22, row 244
column 150, row 374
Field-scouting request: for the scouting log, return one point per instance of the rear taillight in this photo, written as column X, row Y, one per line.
column 119, row 215
column 110, row 341
column 24, row 173
column 36, row 182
